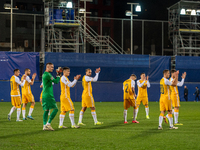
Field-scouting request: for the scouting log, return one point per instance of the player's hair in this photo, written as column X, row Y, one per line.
column 49, row 63
column 173, row 70
column 86, row 70
column 196, row 86
column 133, row 75
column 15, row 70
column 142, row 73
column 65, row 68
column 165, row 71
column 26, row 69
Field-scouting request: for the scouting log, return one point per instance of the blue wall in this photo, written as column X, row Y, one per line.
column 102, row 91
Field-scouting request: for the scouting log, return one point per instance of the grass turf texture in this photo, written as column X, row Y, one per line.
column 113, row 134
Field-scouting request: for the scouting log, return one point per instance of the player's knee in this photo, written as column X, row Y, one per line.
column 162, row 114
column 146, row 106
column 92, row 108
column 63, row 113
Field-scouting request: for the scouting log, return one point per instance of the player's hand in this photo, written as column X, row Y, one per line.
column 98, row 70
column 33, row 76
column 59, row 71
column 41, row 86
column 184, row 75
column 77, row 77
column 40, row 100
column 24, row 78
column 147, row 78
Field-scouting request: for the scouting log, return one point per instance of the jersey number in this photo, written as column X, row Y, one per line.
column 161, row 89
column 126, row 86
column 11, row 85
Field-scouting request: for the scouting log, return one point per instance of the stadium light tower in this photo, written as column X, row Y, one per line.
column 130, row 13
column 84, row 12
column 10, row 6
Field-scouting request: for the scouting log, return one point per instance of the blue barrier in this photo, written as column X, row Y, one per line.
column 102, row 91
column 12, row 60
column 191, row 65
column 115, row 68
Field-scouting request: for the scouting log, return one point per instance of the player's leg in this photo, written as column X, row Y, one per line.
column 24, row 111
column 145, row 103
column 45, row 118
column 71, row 116
column 81, row 114
column 94, row 115
column 133, row 104
column 84, row 107
column 12, row 109
column 62, row 117
column 162, row 113
column 126, row 106
column 138, row 101
column 170, row 118
column 31, row 107
column 18, row 106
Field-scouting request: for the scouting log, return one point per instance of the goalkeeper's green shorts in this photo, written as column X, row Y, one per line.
column 49, row 103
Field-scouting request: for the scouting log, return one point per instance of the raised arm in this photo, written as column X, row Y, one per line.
column 148, row 84
column 88, row 79
column 133, row 87
column 33, row 79
column 180, row 83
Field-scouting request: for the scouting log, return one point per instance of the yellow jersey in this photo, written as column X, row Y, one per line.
column 127, row 88
column 142, row 88
column 26, row 89
column 164, row 89
column 14, row 84
column 65, row 90
column 87, row 87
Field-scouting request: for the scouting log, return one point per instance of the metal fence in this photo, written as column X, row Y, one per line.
column 149, row 36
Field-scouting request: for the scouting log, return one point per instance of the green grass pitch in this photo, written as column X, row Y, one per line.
column 112, row 135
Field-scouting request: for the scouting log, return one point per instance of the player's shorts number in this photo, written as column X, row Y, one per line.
column 161, row 89
column 126, row 86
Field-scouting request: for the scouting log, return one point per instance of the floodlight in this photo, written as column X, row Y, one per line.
column 7, row 6
column 81, row 10
column 138, row 8
column 128, row 13
column 182, row 11
column 193, row 13
column 69, row 5
column 198, row 10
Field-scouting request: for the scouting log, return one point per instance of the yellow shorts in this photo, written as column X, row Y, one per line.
column 165, row 105
column 88, row 101
column 144, row 100
column 128, row 103
column 41, row 98
column 66, row 104
column 27, row 98
column 16, row 101
column 175, row 100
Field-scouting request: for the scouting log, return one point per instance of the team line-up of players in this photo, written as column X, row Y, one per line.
column 168, row 88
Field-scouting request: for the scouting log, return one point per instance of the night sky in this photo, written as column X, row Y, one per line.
column 151, row 9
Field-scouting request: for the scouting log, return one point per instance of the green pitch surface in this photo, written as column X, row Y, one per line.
column 112, row 135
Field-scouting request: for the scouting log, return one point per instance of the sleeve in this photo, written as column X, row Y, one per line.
column 140, row 84
column 180, row 83
column 69, row 84
column 88, row 79
column 132, row 83
column 52, row 79
column 19, row 82
column 72, row 84
column 148, row 84
column 28, row 79
column 41, row 84
column 167, row 82
column 64, row 80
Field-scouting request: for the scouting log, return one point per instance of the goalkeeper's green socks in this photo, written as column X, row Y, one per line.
column 52, row 115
